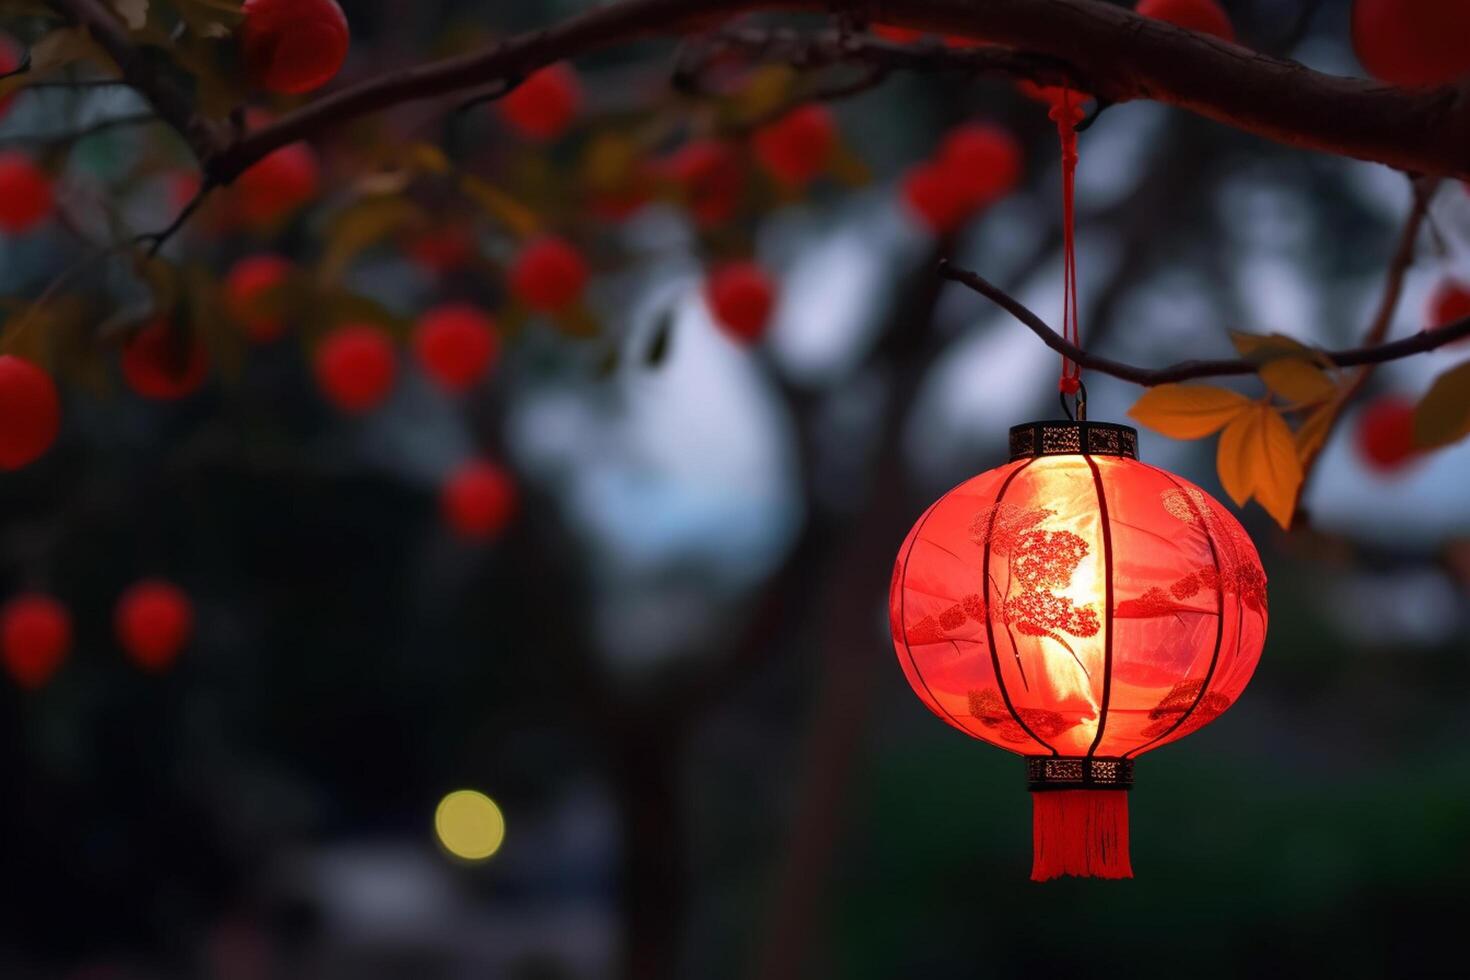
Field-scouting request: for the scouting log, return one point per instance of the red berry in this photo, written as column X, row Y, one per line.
column 1204, row 16
column 30, row 412
column 278, row 185
column 1413, row 42
column 162, row 363
column 442, row 251
column 25, row 193
column 1449, row 302
column 248, row 295
column 711, row 179
column 10, row 55
column 35, row 635
column 741, row 296
column 153, row 620
column 1385, row 433
column 797, row 147
column 355, row 367
column 898, row 35
column 454, row 345
column 983, row 162
column 478, row 500
column 544, row 105
column 934, row 197
column 549, row 275
column 293, row 46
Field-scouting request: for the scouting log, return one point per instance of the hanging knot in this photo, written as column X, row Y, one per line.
column 1069, row 384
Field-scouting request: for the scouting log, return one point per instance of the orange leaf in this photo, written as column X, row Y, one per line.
column 1297, row 381
column 1188, row 411
column 1258, row 457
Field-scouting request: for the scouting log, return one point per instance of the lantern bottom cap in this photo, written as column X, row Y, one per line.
column 1079, row 832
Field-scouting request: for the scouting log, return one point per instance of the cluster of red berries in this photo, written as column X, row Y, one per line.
column 153, row 621
column 976, row 165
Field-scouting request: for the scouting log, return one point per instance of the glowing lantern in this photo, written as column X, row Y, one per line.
column 1079, row 608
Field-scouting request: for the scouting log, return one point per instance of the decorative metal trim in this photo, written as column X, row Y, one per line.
column 1049, row 772
column 1061, row 437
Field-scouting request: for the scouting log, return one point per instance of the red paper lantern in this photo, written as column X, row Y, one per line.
column 1205, row 16
column 25, row 194
column 1385, row 434
column 248, row 289
column 356, row 367
column 35, row 635
column 163, row 364
column 548, row 275
column 1079, row 608
column 1413, row 42
column 293, row 46
column 798, row 147
column 30, row 410
column 154, row 619
column 741, row 296
column 478, row 500
column 545, row 104
column 10, row 56
column 455, row 344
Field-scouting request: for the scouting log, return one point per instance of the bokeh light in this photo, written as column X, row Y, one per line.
column 469, row 825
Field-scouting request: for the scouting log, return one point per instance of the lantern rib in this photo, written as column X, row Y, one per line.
column 1107, row 543
column 1000, row 681
column 1419, row 343
column 1204, row 687
column 903, row 605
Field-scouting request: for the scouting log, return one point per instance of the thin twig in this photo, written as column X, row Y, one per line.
column 1188, row 370
column 157, row 239
column 1388, row 302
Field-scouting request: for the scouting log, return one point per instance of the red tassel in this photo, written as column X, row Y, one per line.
column 1081, row 832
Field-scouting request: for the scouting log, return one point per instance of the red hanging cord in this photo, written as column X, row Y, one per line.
column 1067, row 115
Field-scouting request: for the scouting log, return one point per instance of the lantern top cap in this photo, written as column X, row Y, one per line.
column 1062, row 437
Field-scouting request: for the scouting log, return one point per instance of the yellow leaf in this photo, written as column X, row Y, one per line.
column 1313, row 431
column 1278, row 470
column 1268, row 346
column 1258, row 457
column 1188, row 411
column 1297, row 381
column 501, row 206
column 1443, row 415
column 1232, row 457
column 133, row 12
column 768, row 89
column 359, row 227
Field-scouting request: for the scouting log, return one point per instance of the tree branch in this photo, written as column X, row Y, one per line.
column 1388, row 302
column 1188, row 370
column 1121, row 55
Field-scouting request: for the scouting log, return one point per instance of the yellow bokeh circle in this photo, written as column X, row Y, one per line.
column 469, row 825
